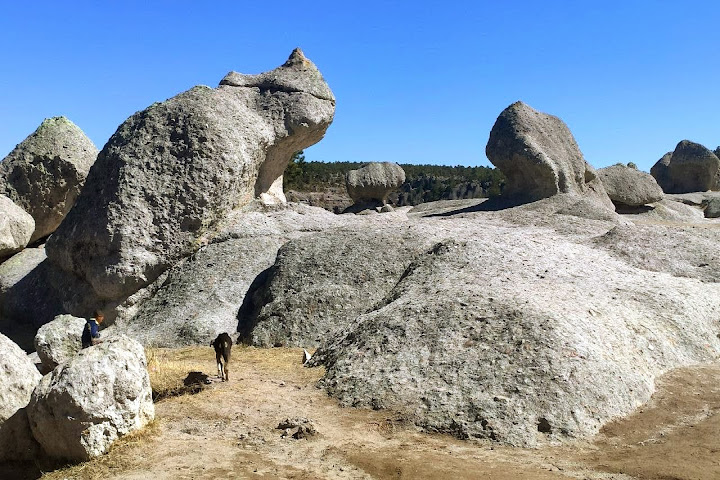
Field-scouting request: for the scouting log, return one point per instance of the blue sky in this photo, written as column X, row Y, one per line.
column 415, row 82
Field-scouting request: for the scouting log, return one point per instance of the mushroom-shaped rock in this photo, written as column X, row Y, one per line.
column 629, row 186
column 16, row 227
column 45, row 173
column 539, row 156
column 372, row 183
column 58, row 341
column 81, row 408
column 18, row 378
column 690, row 168
column 173, row 170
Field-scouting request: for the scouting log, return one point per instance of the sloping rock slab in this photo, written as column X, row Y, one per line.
column 81, row 408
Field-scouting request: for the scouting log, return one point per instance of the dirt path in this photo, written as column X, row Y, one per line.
column 229, row 431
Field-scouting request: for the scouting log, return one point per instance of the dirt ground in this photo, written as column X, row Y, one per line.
column 228, row 430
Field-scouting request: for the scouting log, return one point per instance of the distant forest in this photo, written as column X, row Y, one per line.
column 424, row 183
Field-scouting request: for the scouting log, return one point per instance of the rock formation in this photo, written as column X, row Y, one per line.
column 370, row 185
column 58, row 341
column 45, row 173
column 16, row 227
column 19, row 378
column 79, row 410
column 540, row 158
column 690, row 168
column 172, row 171
column 629, row 186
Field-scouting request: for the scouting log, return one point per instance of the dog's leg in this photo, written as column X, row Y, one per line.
column 227, row 361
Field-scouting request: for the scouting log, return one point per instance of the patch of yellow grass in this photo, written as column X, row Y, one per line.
column 121, row 457
column 168, row 368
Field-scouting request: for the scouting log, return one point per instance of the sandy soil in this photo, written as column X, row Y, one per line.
column 228, row 430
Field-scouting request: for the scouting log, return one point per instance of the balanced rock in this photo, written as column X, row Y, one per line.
column 79, row 410
column 372, row 183
column 539, row 156
column 690, row 168
column 173, row 170
column 45, row 173
column 58, row 341
column 629, row 186
column 16, row 227
column 18, row 378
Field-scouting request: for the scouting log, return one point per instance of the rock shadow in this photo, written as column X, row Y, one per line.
column 253, row 301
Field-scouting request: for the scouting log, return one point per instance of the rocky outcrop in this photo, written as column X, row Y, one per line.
column 16, row 227
column 80, row 409
column 690, row 168
column 18, row 378
column 58, row 341
column 468, row 342
column 540, row 158
column 629, row 186
column 45, row 173
column 170, row 173
column 322, row 283
column 372, row 183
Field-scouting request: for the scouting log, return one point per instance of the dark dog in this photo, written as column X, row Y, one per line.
column 222, row 345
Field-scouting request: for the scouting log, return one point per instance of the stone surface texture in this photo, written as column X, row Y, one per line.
column 690, row 168
column 16, row 227
column 374, row 182
column 18, row 378
column 171, row 172
column 58, row 341
column 45, row 172
column 539, row 157
column 629, row 186
column 82, row 407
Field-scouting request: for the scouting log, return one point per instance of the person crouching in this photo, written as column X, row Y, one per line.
column 91, row 332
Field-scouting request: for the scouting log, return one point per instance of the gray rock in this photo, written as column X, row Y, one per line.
column 58, row 341
column 45, row 173
column 171, row 172
column 80, row 409
column 469, row 342
column 712, row 210
column 18, row 378
column 690, row 168
column 16, row 227
column 629, row 186
column 540, row 158
column 373, row 182
column 320, row 284
column 16, row 441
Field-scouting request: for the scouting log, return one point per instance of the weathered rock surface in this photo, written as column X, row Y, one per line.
column 467, row 341
column 539, row 156
column 690, row 168
column 629, row 186
column 171, row 172
column 58, row 341
column 18, row 378
column 322, row 283
column 16, row 227
column 81, row 408
column 45, row 173
column 372, row 183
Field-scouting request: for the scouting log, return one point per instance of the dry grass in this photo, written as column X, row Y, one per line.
column 123, row 454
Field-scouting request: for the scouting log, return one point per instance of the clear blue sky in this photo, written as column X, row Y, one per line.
column 415, row 82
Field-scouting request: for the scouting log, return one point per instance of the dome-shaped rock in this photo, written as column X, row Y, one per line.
column 629, row 186
column 690, row 168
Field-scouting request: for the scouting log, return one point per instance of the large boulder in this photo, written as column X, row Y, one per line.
column 173, row 170
column 690, row 168
column 45, row 173
column 467, row 341
column 16, row 227
column 58, row 341
column 373, row 182
column 18, row 378
column 322, row 283
column 539, row 157
column 81, row 408
column 629, row 186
